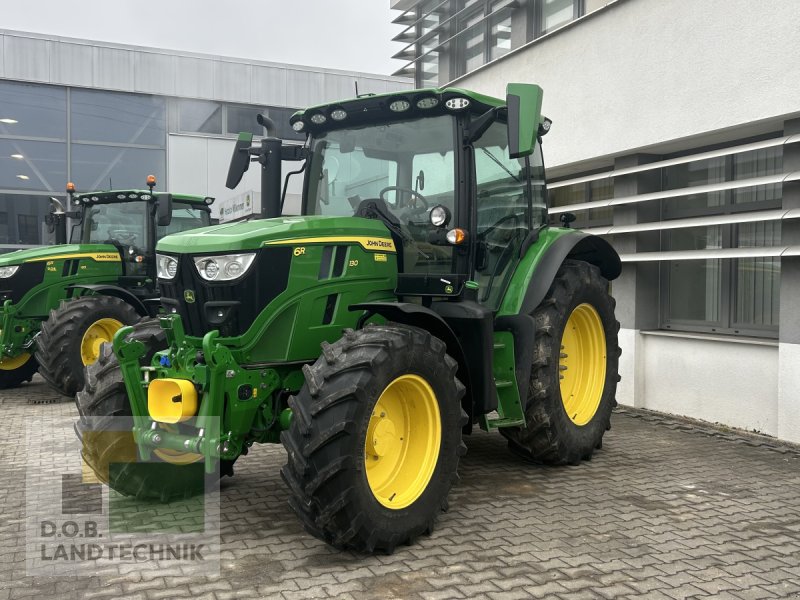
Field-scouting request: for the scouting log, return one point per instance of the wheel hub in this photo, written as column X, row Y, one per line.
column 582, row 364
column 8, row 363
column 401, row 448
column 100, row 332
column 382, row 436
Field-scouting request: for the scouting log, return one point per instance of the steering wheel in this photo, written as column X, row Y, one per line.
column 415, row 195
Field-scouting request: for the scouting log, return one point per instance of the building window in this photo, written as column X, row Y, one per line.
column 546, row 16
column 722, row 295
column 483, row 33
column 199, row 116
column 579, row 193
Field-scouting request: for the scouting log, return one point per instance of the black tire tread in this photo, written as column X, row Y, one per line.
column 18, row 376
column 321, row 493
column 545, row 439
column 58, row 344
column 104, row 395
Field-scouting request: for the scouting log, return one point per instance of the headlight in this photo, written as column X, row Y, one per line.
column 6, row 272
column 167, row 266
column 440, row 216
column 223, row 268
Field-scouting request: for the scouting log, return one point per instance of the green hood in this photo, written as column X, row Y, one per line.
column 100, row 252
column 251, row 235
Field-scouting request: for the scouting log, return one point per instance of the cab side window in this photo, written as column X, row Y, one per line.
column 504, row 212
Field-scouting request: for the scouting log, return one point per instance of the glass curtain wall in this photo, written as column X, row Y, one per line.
column 50, row 135
column 723, row 295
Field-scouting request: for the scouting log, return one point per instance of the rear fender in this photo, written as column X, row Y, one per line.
column 576, row 246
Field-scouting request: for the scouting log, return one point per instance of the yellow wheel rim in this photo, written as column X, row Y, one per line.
column 582, row 364
column 11, row 363
column 403, row 439
column 174, row 456
column 99, row 332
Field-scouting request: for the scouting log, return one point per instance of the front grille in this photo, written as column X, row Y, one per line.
column 28, row 276
column 230, row 306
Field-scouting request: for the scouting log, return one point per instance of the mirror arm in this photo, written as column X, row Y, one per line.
column 479, row 126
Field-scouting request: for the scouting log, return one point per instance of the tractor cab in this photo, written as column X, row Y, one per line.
column 131, row 221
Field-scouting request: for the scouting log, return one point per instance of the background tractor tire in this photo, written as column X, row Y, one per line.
column 15, row 372
column 105, row 428
column 575, row 370
column 73, row 334
column 355, row 480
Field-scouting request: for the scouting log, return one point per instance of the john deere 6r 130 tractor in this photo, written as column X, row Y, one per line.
column 58, row 304
column 420, row 293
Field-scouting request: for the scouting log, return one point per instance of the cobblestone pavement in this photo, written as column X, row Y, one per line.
column 663, row 511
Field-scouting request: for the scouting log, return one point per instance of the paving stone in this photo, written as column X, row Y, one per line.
column 664, row 511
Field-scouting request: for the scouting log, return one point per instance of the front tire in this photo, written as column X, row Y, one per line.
column 375, row 438
column 105, row 428
column 575, row 370
column 17, row 370
column 72, row 337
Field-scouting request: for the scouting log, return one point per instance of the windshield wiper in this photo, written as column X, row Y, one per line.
column 499, row 164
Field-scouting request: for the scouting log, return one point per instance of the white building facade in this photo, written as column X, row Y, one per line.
column 105, row 116
column 677, row 137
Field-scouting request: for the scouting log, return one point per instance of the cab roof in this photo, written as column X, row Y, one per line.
column 392, row 106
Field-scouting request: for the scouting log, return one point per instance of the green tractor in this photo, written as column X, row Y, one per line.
column 59, row 304
column 419, row 294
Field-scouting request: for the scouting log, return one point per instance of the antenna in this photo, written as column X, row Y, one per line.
column 355, row 82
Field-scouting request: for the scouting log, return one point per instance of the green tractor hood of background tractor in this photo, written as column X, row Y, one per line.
column 97, row 252
column 252, row 235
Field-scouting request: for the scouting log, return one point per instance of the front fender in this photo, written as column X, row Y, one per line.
column 117, row 292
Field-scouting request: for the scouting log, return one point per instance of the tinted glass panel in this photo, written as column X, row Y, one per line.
column 106, row 168
column 40, row 166
column 556, row 13
column 22, row 219
column 198, row 116
column 120, row 118
column 39, row 110
column 243, row 118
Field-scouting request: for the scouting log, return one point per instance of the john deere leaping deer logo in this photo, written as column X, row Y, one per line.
column 188, row 295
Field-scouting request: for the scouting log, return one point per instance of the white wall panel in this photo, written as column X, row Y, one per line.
column 154, row 73
column 26, row 58
column 269, row 86
column 194, row 77
column 232, row 81
column 722, row 382
column 305, row 88
column 789, row 393
column 2, row 56
column 113, row 68
column 72, row 64
column 626, row 388
column 188, row 165
column 644, row 72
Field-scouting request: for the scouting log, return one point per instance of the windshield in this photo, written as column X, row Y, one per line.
column 408, row 164
column 122, row 222
column 383, row 161
column 185, row 216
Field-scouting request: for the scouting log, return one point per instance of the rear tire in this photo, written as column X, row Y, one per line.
column 66, row 344
column 338, row 443
column 553, row 434
column 11, row 378
column 105, row 428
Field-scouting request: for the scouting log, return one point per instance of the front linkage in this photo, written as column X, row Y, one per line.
column 15, row 333
column 188, row 412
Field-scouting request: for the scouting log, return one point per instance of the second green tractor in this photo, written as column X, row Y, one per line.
column 419, row 294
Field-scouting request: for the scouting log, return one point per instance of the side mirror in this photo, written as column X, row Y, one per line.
column 240, row 161
column 566, row 218
column 524, row 105
column 163, row 209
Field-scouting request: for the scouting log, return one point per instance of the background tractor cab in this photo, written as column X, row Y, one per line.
column 100, row 275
